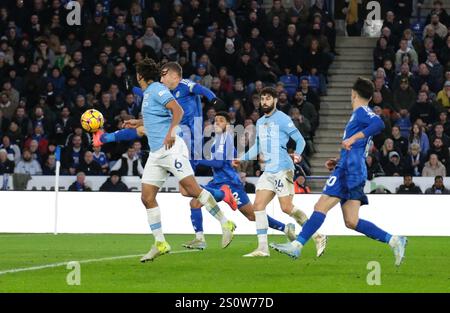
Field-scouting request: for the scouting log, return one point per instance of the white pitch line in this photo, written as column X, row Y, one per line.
column 40, row 267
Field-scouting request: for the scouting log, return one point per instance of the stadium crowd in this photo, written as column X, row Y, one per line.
column 50, row 73
column 412, row 91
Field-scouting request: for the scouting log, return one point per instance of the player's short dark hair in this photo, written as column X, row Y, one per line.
column 269, row 91
column 224, row 115
column 438, row 177
column 173, row 66
column 364, row 88
column 148, row 69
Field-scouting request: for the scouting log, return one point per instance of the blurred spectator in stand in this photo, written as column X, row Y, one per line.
column 408, row 186
column 395, row 165
column 12, row 149
column 101, row 158
column 443, row 95
column 28, row 165
column 80, row 183
column 415, row 160
column 88, row 166
column 400, row 143
column 114, row 183
column 417, row 135
column 128, row 164
column 49, row 166
column 374, row 168
column 6, row 165
column 438, row 187
column 423, row 109
column 438, row 148
column 433, row 167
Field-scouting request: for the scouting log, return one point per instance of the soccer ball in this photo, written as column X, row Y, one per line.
column 92, row 120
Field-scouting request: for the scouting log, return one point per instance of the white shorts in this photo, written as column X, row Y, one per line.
column 162, row 162
column 281, row 183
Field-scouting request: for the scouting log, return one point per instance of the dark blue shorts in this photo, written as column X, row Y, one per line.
column 346, row 186
column 238, row 192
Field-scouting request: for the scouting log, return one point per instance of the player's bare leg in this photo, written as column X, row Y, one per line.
column 262, row 199
column 288, row 207
column 193, row 189
column 249, row 212
column 293, row 249
column 148, row 198
column 350, row 210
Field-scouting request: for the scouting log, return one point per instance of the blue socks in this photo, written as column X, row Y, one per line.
column 197, row 219
column 273, row 223
column 365, row 227
column 216, row 193
column 372, row 231
column 311, row 226
column 127, row 134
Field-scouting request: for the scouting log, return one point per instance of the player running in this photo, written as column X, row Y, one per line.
column 223, row 152
column 169, row 153
column 187, row 93
column 273, row 131
column 346, row 183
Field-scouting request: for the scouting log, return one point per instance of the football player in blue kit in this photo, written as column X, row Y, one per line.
column 222, row 154
column 346, row 184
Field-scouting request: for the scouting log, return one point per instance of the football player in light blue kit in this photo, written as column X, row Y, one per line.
column 346, row 183
column 169, row 154
column 273, row 131
column 188, row 95
column 222, row 154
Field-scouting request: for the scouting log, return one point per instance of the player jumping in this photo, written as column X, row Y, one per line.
column 169, row 153
column 223, row 152
column 273, row 131
column 346, row 183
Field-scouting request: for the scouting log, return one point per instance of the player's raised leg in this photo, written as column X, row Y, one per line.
column 126, row 134
column 263, row 198
column 293, row 249
column 350, row 210
column 154, row 220
column 288, row 207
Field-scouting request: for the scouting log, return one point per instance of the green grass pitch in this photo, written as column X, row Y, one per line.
column 343, row 268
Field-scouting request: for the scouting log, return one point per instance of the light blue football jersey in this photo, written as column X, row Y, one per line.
column 157, row 118
column 273, row 133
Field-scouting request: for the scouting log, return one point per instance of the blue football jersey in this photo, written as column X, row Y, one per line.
column 157, row 117
column 190, row 102
column 354, row 159
column 223, row 149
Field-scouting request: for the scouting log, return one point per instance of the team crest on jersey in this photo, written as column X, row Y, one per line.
column 177, row 94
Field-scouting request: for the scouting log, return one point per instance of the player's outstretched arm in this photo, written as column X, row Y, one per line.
column 200, row 90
